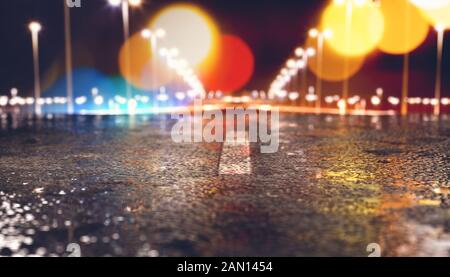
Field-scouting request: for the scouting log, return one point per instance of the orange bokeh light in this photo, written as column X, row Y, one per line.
column 146, row 70
column 406, row 27
column 231, row 68
column 333, row 68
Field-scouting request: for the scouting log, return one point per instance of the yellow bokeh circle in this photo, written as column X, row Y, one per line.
column 357, row 28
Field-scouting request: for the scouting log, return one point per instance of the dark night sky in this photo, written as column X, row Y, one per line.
column 272, row 28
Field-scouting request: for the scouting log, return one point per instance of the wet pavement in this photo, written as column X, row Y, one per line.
column 119, row 186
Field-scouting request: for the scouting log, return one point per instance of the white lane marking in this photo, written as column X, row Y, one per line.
column 235, row 158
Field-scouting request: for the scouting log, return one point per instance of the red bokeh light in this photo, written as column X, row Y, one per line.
column 232, row 66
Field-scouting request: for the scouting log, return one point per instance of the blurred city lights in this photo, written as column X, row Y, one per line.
column 394, row 100
column 375, row 100
column 293, row 96
column 114, row 2
column 98, row 100
column 149, row 34
column 182, row 53
column 133, row 3
column 81, row 100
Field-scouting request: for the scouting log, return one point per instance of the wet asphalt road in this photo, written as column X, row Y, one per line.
column 119, row 186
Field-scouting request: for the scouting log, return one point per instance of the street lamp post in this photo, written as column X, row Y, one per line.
column 405, row 85
column 125, row 6
column 321, row 37
column 35, row 28
column 406, row 59
column 348, row 37
column 293, row 68
column 68, row 44
column 153, row 36
column 440, row 29
column 349, row 6
column 304, row 55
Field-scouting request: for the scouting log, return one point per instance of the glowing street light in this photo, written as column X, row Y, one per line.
column 125, row 5
column 98, row 100
column 35, row 28
column 153, row 36
column 133, row 3
column 375, row 100
column 321, row 37
column 14, row 92
column 291, row 64
column 440, row 29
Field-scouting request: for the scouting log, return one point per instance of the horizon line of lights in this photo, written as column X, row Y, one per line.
column 375, row 100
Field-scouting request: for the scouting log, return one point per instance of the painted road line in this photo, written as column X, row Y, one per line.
column 235, row 158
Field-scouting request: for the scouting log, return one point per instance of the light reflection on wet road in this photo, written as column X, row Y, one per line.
column 119, row 186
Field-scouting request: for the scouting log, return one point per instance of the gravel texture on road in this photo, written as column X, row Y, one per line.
column 119, row 186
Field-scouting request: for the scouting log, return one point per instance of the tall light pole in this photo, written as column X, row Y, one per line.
column 406, row 58
column 349, row 5
column 68, row 44
column 291, row 65
column 125, row 6
column 304, row 55
column 153, row 36
column 348, row 37
column 440, row 29
column 35, row 28
column 321, row 37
